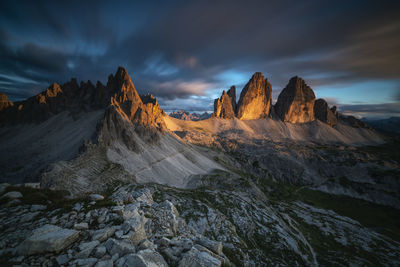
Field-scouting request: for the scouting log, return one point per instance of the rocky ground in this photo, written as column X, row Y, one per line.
column 239, row 220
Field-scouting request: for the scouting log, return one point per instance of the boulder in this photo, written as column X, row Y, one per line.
column 296, row 102
column 225, row 106
column 214, row 246
column 81, row 226
column 145, row 258
column 105, row 263
column 48, row 238
column 255, row 99
column 95, row 197
column 323, row 113
column 86, row 248
column 12, row 195
column 121, row 247
column 197, row 258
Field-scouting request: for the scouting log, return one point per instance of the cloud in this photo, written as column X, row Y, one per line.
column 371, row 111
column 180, row 88
column 181, row 49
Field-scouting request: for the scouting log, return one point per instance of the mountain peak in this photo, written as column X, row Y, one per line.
column 255, row 98
column 296, row 102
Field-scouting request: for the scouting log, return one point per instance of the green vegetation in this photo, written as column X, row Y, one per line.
column 388, row 151
column 383, row 219
column 31, row 196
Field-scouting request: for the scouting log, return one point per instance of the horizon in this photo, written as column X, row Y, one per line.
column 346, row 52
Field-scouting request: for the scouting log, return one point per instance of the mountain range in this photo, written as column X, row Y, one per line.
column 254, row 184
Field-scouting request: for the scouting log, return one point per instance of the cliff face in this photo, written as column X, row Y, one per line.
column 4, row 101
column 323, row 113
column 225, row 106
column 255, row 99
column 296, row 102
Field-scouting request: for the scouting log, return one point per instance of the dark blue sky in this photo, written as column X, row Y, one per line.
column 187, row 52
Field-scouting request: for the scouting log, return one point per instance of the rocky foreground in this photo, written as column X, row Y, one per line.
column 241, row 222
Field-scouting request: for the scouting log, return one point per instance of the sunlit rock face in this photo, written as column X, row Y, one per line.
column 255, row 99
column 4, row 101
column 126, row 101
column 323, row 113
column 225, row 106
column 296, row 102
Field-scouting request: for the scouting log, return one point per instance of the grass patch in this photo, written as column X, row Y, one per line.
column 383, row 219
column 32, row 196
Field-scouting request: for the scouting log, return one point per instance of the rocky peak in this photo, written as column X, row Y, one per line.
column 232, row 94
column 296, row 102
column 255, row 99
column 224, row 107
column 4, row 101
column 335, row 112
column 323, row 113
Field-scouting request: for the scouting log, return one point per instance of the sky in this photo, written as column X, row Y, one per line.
column 186, row 52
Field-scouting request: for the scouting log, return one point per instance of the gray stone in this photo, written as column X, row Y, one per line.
column 131, row 211
column 81, row 226
column 145, row 258
column 12, row 195
column 77, row 206
column 100, row 251
column 96, row 197
column 119, row 233
column 85, row 262
column 121, row 247
column 13, row 202
column 48, row 238
column 3, row 187
column 103, row 234
column 214, row 246
column 38, row 207
column 62, row 259
column 196, row 258
column 146, row 244
column 86, row 248
column 106, row 263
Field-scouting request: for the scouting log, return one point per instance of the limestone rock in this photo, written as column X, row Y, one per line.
column 121, row 247
column 95, row 197
column 145, row 258
column 86, row 248
column 12, row 195
column 48, row 238
column 225, row 106
column 214, row 246
column 103, row 234
column 255, row 99
column 323, row 113
column 81, row 226
column 197, row 258
column 296, row 102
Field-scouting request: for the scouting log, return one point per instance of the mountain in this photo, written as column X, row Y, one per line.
column 187, row 116
column 255, row 98
column 225, row 106
column 102, row 176
column 390, row 125
column 323, row 113
column 110, row 125
column 296, row 102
